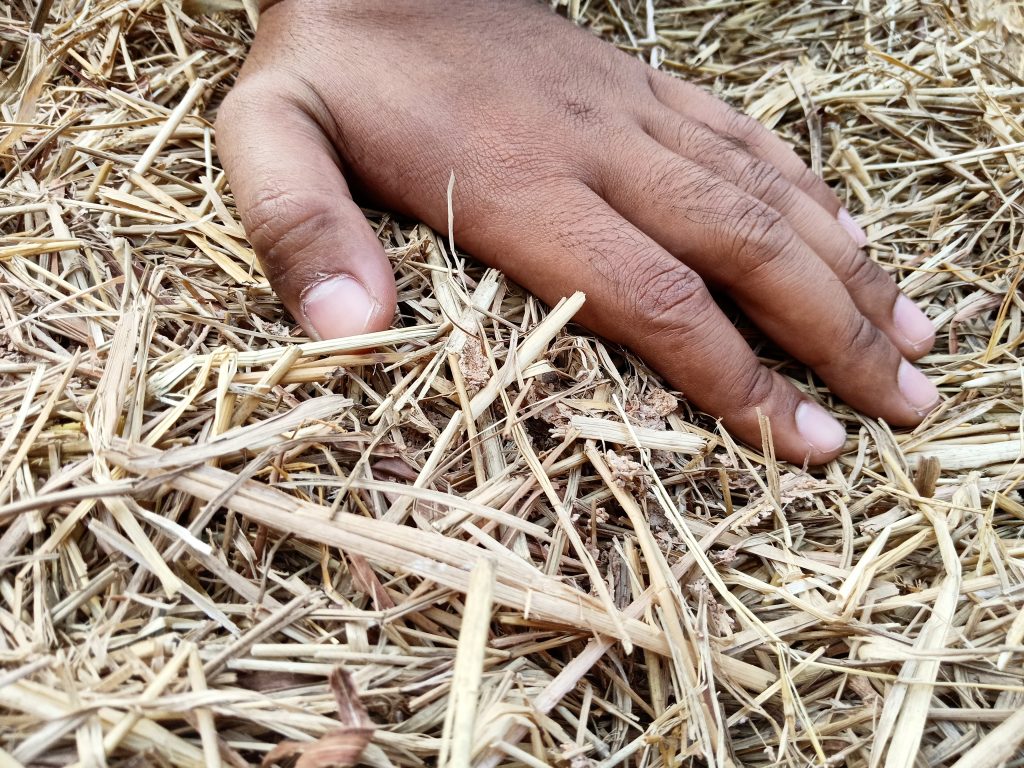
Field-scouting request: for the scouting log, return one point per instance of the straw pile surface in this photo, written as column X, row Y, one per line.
column 518, row 547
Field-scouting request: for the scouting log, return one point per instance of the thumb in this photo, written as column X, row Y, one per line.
column 318, row 251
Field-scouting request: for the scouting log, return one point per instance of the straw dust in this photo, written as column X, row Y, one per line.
column 517, row 546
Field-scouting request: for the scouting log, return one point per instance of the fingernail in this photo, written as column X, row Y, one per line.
column 338, row 306
column 912, row 324
column 818, row 428
column 920, row 394
column 851, row 226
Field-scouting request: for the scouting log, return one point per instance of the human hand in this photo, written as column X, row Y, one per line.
column 577, row 168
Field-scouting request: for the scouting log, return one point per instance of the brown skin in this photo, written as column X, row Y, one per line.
column 577, row 167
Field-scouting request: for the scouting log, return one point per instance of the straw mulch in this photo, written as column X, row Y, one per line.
column 492, row 538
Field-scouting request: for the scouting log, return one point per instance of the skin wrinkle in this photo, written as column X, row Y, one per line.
column 298, row 224
column 482, row 213
column 761, row 180
column 762, row 246
column 685, row 202
column 863, row 340
column 734, row 141
column 283, row 224
column 756, row 391
column 868, row 280
column 675, row 303
column 755, row 387
column 499, row 159
column 663, row 293
column 693, row 103
column 580, row 113
column 743, row 127
column 704, row 209
column 857, row 340
column 688, row 132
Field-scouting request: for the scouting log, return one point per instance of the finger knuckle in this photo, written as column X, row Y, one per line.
column 862, row 341
column 670, row 291
column 692, row 134
column 766, row 182
column 812, row 182
column 671, row 302
column 742, row 126
column 284, row 227
column 761, row 232
column 860, row 274
column 660, row 83
column 753, row 389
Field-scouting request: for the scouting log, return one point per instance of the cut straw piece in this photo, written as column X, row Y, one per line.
column 592, row 428
column 464, row 319
column 245, row 407
column 954, row 456
column 38, row 248
column 164, row 380
column 460, row 718
column 170, row 125
column 148, row 554
column 29, row 437
column 996, row 747
column 569, row 530
column 860, row 578
column 113, row 738
column 750, row 677
column 203, row 715
column 250, row 438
